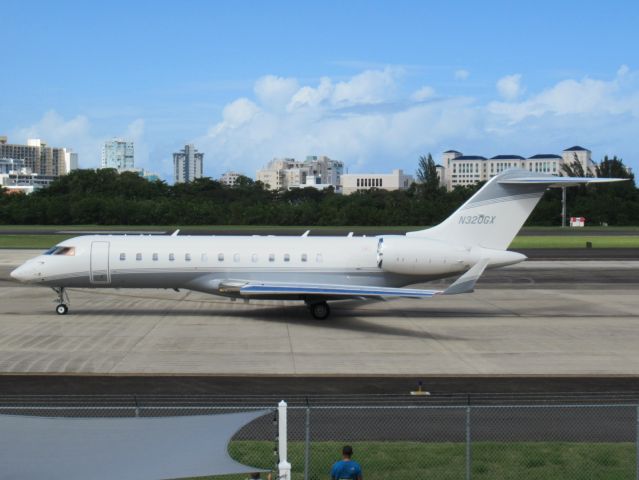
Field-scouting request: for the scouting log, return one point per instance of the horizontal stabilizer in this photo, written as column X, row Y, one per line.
column 552, row 181
column 466, row 283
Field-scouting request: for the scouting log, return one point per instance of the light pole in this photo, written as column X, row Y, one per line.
column 563, row 207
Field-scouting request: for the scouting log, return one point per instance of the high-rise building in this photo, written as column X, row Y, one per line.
column 118, row 153
column 187, row 164
column 38, row 157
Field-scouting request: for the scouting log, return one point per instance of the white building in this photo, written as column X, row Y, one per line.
column 70, row 160
column 290, row 173
column 397, row 180
column 230, row 178
column 187, row 164
column 25, row 182
column 38, row 157
column 119, row 154
column 458, row 169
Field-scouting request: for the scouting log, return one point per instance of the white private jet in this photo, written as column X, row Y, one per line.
column 311, row 269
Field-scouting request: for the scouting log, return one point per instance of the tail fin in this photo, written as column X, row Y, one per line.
column 494, row 215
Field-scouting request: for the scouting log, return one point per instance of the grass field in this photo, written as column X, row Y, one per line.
column 556, row 241
column 447, row 461
column 521, row 242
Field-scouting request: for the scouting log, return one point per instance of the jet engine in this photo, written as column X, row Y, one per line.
column 420, row 256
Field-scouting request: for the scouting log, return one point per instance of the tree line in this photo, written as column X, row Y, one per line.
column 105, row 197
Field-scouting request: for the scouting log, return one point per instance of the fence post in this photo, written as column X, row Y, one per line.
column 284, row 467
column 469, row 451
column 307, row 442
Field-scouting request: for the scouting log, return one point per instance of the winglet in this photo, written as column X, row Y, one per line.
column 175, row 234
column 466, row 283
column 305, row 234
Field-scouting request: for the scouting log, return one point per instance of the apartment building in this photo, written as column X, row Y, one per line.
column 188, row 164
column 40, row 158
column 314, row 171
column 119, row 154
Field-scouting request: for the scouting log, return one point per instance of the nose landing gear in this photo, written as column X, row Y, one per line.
column 62, row 308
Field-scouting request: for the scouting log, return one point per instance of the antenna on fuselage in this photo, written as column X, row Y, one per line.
column 175, row 234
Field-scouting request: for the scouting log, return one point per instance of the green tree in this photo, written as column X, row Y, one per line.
column 427, row 176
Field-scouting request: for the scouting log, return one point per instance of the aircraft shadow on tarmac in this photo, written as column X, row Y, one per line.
column 341, row 318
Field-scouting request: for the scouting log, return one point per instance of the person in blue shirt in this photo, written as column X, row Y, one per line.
column 346, row 469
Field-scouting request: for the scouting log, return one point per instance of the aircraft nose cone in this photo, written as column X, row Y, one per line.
column 20, row 274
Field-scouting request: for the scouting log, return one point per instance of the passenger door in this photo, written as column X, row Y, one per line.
column 100, row 274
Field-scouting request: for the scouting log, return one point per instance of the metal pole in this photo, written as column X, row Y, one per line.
column 563, row 207
column 307, row 443
column 469, row 451
column 284, row 467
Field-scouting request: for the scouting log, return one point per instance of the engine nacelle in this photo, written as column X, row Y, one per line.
column 421, row 256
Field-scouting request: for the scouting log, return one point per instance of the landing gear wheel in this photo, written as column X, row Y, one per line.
column 61, row 309
column 319, row 310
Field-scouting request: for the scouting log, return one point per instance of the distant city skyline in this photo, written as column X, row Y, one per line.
column 391, row 81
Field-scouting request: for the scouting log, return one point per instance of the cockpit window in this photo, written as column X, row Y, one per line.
column 58, row 250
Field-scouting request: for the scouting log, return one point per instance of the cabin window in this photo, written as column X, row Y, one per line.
column 271, row 257
column 138, row 256
column 205, row 258
column 254, row 258
column 171, row 257
column 236, row 257
column 319, row 258
column 123, row 256
column 155, row 257
column 220, row 257
column 304, row 257
column 287, row 257
column 187, row 257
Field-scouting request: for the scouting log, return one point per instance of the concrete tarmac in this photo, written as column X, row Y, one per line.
column 538, row 318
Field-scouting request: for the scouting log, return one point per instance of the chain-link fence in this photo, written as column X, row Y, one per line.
column 435, row 438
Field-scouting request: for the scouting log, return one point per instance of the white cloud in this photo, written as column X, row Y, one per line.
column 509, row 87
column 78, row 135
column 54, row 129
column 574, row 97
column 312, row 97
column 422, row 94
column 623, row 70
column 364, row 121
column 369, row 87
column 461, row 74
column 374, row 121
column 275, row 92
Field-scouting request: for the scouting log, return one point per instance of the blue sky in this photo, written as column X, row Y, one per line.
column 374, row 84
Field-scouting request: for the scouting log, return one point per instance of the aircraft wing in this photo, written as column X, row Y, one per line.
column 255, row 289
column 268, row 289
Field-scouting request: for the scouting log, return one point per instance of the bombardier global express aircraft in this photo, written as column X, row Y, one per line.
column 311, row 269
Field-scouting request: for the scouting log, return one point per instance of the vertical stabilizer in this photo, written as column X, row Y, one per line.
column 494, row 215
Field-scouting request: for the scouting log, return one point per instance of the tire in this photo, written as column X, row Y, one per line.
column 61, row 309
column 320, row 310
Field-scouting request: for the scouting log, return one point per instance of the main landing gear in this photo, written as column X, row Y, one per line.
column 319, row 310
column 62, row 307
